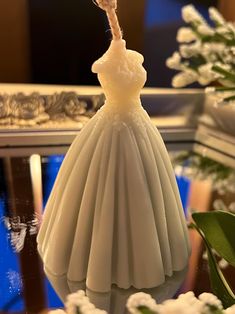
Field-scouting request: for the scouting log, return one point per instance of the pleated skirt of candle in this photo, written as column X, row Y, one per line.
column 114, row 215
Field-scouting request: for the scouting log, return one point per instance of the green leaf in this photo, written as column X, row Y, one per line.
column 213, row 309
column 145, row 310
column 219, row 284
column 219, row 230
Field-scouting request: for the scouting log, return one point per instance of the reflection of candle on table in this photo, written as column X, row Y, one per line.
column 114, row 215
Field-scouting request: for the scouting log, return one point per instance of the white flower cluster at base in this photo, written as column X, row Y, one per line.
column 78, row 302
column 230, row 310
column 141, row 299
column 185, row 304
column 140, row 302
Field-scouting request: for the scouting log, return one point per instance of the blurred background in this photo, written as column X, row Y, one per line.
column 56, row 41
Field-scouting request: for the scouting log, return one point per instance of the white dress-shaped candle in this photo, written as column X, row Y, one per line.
column 114, row 215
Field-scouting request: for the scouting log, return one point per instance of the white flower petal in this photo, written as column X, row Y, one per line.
column 210, row 299
column 174, row 62
column 190, row 15
column 216, row 16
column 206, row 30
column 141, row 299
column 188, row 51
column 210, row 90
column 185, row 35
column 230, row 310
column 185, row 78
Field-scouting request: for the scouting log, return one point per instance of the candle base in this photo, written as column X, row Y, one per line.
column 115, row 300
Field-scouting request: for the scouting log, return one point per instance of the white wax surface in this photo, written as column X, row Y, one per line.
column 114, row 215
column 121, row 75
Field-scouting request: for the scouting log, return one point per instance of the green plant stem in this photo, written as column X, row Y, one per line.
column 230, row 98
column 225, row 89
column 145, row 310
column 227, row 75
column 222, row 39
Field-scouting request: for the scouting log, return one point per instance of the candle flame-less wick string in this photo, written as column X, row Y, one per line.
column 110, row 6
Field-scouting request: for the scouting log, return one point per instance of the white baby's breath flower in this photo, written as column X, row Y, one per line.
column 184, row 78
column 176, row 307
column 231, row 27
column 205, row 30
column 210, row 57
column 210, row 90
column 219, row 187
column 210, row 48
column 230, row 310
column 203, row 80
column 187, row 303
column 221, row 77
column 76, row 295
column 188, row 51
column 227, row 31
column 233, row 50
column 79, row 301
column 97, row 311
column 222, row 30
column 219, row 204
column 206, row 75
column 196, row 51
column 191, row 15
column 86, row 308
column 185, row 35
column 223, row 264
column 210, row 300
column 174, row 62
column 231, row 207
column 190, row 299
column 205, row 256
column 216, row 16
column 228, row 58
column 141, row 299
column 226, row 67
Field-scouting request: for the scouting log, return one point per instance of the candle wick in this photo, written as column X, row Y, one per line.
column 110, row 6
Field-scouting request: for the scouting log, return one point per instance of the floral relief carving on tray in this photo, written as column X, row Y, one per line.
column 20, row 110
